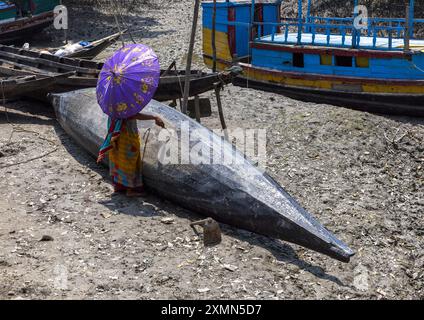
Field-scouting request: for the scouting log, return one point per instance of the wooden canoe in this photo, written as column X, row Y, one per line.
column 13, row 87
column 95, row 48
column 24, row 28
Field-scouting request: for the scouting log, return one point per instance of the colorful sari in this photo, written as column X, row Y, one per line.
column 122, row 145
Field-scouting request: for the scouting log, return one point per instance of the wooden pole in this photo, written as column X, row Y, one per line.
column 411, row 18
column 407, row 28
column 354, row 30
column 190, row 56
column 299, row 17
column 197, row 108
column 214, row 36
column 220, row 110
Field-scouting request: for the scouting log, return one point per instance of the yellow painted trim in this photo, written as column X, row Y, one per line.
column 362, row 62
column 326, row 60
column 219, row 65
column 329, row 84
column 375, row 88
column 223, row 51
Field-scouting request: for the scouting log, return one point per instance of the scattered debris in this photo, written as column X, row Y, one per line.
column 46, row 238
column 167, row 220
column 230, row 267
column 106, row 215
column 211, row 231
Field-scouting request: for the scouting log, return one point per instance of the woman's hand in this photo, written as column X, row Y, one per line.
column 143, row 117
column 159, row 122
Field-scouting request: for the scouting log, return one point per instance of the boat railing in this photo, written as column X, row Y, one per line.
column 376, row 34
column 337, row 35
column 370, row 23
column 379, row 34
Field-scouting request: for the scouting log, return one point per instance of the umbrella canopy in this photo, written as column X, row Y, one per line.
column 128, row 81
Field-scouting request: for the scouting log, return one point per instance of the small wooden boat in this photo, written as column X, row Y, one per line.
column 373, row 64
column 93, row 49
column 15, row 61
column 19, row 86
column 15, row 26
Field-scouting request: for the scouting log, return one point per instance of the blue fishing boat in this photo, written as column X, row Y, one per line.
column 22, row 19
column 370, row 63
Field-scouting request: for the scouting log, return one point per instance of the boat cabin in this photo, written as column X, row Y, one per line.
column 254, row 32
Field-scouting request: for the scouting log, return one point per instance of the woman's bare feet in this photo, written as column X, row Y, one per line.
column 131, row 193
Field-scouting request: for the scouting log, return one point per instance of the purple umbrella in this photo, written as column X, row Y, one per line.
column 128, row 81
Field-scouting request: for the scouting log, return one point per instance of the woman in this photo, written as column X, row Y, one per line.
column 122, row 144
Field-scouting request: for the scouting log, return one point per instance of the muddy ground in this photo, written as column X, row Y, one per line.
column 360, row 174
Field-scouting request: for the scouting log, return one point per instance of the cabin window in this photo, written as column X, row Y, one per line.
column 342, row 61
column 326, row 60
column 298, row 60
column 362, row 62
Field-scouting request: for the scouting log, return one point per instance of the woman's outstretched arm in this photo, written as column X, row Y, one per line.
column 143, row 116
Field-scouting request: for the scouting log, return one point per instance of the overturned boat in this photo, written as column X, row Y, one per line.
column 233, row 191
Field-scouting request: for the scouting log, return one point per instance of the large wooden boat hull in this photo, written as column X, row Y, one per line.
column 385, row 96
column 234, row 192
column 379, row 75
column 395, row 97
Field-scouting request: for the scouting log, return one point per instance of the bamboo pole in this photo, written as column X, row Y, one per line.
column 190, row 56
column 218, row 87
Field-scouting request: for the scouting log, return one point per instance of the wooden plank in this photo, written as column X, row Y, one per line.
column 21, row 68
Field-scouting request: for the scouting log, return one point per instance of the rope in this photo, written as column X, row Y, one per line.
column 119, row 29
column 146, row 139
column 126, row 27
column 16, row 128
column 29, row 160
column 416, row 67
